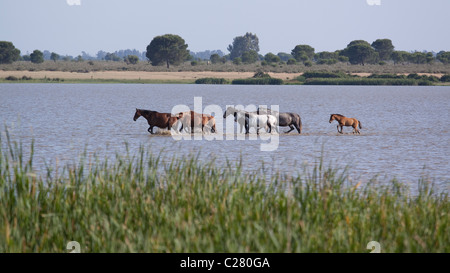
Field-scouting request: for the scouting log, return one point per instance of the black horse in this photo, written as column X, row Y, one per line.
column 284, row 119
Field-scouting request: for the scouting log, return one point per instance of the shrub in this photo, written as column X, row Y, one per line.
column 237, row 61
column 292, row 61
column 308, row 63
column 445, row 78
column 318, row 74
column 365, row 81
column 258, row 81
column 211, row 81
column 11, row 78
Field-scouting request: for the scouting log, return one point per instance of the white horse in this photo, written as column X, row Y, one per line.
column 267, row 122
column 240, row 121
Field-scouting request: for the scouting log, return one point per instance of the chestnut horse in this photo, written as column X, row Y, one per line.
column 195, row 120
column 344, row 121
column 161, row 120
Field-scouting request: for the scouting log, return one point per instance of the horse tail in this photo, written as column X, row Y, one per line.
column 300, row 125
column 359, row 124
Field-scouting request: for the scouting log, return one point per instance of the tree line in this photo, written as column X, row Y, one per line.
column 171, row 49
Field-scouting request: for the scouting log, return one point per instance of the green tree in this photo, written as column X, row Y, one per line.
column 285, row 56
column 272, row 58
column 214, row 58
column 360, row 52
column 112, row 57
column 384, row 48
column 421, row 57
column 37, row 57
column 250, row 57
column 131, row 59
column 241, row 44
column 8, row 52
column 237, row 61
column 54, row 56
column 303, row 53
column 444, row 57
column 400, row 56
column 167, row 49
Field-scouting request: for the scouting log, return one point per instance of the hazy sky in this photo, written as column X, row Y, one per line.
column 65, row 27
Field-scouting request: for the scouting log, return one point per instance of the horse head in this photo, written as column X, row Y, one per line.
column 137, row 114
column 332, row 117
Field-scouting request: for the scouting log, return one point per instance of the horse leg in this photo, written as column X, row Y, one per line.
column 338, row 128
column 292, row 128
column 150, row 130
column 296, row 127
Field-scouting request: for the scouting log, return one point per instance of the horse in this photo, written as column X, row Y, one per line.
column 344, row 121
column 193, row 120
column 161, row 120
column 284, row 119
column 209, row 121
column 256, row 121
column 241, row 120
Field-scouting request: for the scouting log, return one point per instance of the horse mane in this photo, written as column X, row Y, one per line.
column 339, row 115
column 145, row 111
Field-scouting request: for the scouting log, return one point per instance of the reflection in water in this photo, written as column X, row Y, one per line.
column 405, row 133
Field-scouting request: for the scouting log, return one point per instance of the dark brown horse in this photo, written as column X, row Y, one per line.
column 344, row 121
column 161, row 120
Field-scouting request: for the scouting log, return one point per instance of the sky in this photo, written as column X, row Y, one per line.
column 72, row 26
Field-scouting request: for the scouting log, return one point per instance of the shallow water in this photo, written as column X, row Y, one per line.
column 405, row 130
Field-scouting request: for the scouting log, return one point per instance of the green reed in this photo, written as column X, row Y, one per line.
column 142, row 203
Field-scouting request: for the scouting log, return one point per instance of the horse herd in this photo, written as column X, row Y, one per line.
column 263, row 118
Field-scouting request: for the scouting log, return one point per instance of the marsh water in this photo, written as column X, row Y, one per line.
column 405, row 130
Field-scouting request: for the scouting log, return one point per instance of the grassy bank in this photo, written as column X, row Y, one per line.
column 140, row 204
column 94, row 81
column 92, row 66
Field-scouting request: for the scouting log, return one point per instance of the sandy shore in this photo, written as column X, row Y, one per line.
column 143, row 75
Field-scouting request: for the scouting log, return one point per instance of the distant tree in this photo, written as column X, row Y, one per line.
column 167, row 49
column 326, row 55
column 241, row 44
column 384, row 48
column 272, row 58
column 54, row 57
column 214, row 58
column 112, row 57
column 400, row 56
column 249, row 57
column 8, row 52
column 79, row 58
column 101, row 55
column 237, row 61
column 421, row 57
column 131, row 59
column 206, row 55
column 37, row 57
column 285, row 56
column 303, row 53
column 26, row 58
column 360, row 52
column 292, row 61
column 444, row 57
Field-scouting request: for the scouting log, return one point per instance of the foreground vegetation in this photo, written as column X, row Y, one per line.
column 142, row 203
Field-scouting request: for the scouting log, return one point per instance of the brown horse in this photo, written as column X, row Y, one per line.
column 161, row 120
column 195, row 120
column 344, row 121
column 209, row 121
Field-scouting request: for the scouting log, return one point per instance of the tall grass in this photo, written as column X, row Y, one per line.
column 137, row 203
